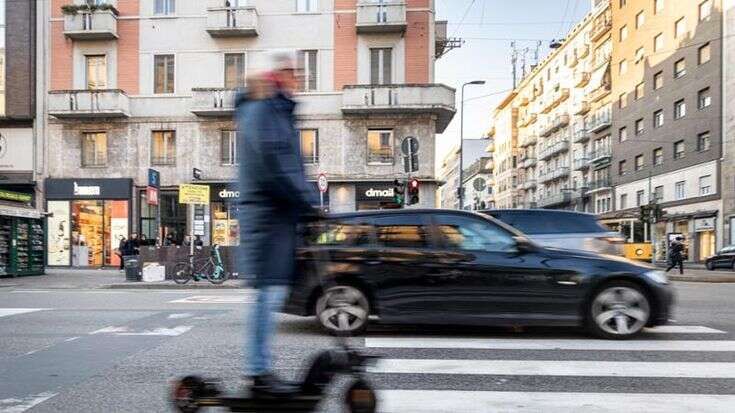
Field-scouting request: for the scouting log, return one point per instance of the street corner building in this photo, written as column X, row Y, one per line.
column 134, row 85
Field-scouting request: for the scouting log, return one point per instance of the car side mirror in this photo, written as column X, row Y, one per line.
column 524, row 245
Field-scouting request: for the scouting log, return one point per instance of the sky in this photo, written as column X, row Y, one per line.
column 488, row 27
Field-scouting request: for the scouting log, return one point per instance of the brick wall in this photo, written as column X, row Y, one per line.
column 417, row 45
column 345, row 43
column 60, row 50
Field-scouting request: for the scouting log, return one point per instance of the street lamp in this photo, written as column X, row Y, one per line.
column 460, row 190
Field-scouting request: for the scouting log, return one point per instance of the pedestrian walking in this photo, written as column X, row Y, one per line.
column 169, row 241
column 676, row 256
column 275, row 196
column 120, row 252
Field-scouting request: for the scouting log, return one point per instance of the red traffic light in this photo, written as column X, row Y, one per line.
column 414, row 184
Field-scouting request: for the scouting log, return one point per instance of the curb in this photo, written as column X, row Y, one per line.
column 704, row 278
column 170, row 286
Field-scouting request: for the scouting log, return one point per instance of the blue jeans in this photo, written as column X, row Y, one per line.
column 262, row 325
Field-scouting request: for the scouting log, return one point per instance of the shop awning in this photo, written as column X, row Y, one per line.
column 22, row 212
column 598, row 77
column 694, row 214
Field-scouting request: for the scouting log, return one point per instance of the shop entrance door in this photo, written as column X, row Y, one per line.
column 87, row 241
column 706, row 245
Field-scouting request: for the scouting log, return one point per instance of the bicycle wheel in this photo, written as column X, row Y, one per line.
column 217, row 277
column 182, row 273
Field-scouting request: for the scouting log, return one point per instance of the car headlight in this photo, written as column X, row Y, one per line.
column 657, row 276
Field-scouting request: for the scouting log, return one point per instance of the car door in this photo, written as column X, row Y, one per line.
column 482, row 275
column 725, row 257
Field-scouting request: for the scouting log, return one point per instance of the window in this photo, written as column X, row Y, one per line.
column 380, row 147
column 704, row 54
column 402, row 231
column 658, row 193
column 640, row 198
column 680, row 190
column 163, row 148
column 658, row 80
column 680, row 109
column 344, row 232
column 623, row 201
column 308, row 62
column 639, row 160
column 640, row 19
column 658, row 118
column 309, row 145
column 306, row 6
column 704, row 98
column 679, row 149
column 623, row 33
column 639, row 128
column 229, row 147
column 658, row 6
column 705, row 185
column 658, row 157
column 623, row 3
column 381, row 66
column 705, row 10
column 640, row 54
column 163, row 68
column 623, row 100
column 622, row 168
column 680, row 68
column 703, row 142
column 468, row 234
column 640, row 90
column 623, row 67
column 658, row 42
column 165, row 7
column 680, row 27
column 623, row 134
column 234, row 70
column 94, row 149
column 96, row 71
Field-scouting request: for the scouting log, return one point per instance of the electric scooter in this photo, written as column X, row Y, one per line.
column 192, row 392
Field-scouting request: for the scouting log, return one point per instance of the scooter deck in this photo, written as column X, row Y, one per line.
column 297, row 404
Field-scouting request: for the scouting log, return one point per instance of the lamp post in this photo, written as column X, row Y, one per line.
column 460, row 190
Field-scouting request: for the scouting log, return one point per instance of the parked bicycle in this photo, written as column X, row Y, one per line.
column 210, row 267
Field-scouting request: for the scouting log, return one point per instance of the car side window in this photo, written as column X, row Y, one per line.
column 344, row 233
column 402, row 231
column 470, row 234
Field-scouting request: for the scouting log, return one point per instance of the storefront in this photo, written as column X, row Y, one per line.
column 172, row 216
column 87, row 219
column 223, row 208
column 21, row 235
column 374, row 195
column 704, row 230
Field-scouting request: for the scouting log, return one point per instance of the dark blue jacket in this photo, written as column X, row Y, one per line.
column 274, row 192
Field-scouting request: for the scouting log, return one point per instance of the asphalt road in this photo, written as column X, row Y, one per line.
column 78, row 350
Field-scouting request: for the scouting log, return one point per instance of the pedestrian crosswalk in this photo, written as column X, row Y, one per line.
column 668, row 369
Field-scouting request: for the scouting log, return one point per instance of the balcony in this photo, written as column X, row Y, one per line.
column 528, row 141
column 601, row 155
column 600, row 185
column 602, row 119
column 88, row 104
column 561, row 95
column 231, row 21
column 529, row 184
column 581, row 163
column 581, row 107
column 388, row 16
column 552, row 175
column 555, row 199
column 94, row 25
column 584, row 51
column 213, row 102
column 581, row 79
column 435, row 99
column 581, row 135
column 528, row 163
column 601, row 26
column 553, row 149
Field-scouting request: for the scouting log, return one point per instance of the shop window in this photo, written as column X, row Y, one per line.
column 225, row 225
column 94, row 149
column 163, row 74
column 309, row 145
column 163, row 148
column 148, row 215
column 234, row 70
column 380, row 147
column 58, row 233
column 228, row 145
column 173, row 216
column 115, row 228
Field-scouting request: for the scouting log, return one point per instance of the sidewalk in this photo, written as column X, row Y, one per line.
column 59, row 279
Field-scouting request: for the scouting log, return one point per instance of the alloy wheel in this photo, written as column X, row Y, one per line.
column 620, row 311
column 343, row 309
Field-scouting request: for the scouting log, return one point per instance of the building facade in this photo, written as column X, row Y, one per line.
column 139, row 84
column 478, row 188
column 472, row 150
column 728, row 117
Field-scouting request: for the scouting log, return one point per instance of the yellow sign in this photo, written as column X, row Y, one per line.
column 193, row 194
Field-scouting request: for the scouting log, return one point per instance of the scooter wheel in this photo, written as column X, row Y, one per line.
column 185, row 393
column 360, row 398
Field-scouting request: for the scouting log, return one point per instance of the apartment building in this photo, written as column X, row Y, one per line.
column 472, row 150
column 139, row 84
column 728, row 120
column 505, row 154
column 667, row 140
column 478, row 189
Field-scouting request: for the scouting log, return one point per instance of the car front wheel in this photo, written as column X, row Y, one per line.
column 710, row 265
column 618, row 311
column 343, row 310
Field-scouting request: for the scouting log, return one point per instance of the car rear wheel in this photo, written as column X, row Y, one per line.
column 619, row 310
column 343, row 310
column 710, row 265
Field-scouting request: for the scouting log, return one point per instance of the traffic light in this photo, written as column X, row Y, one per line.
column 399, row 192
column 413, row 192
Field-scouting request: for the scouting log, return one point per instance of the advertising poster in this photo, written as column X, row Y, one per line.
column 58, row 233
column 219, row 232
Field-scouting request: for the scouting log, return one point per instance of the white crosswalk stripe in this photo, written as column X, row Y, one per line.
column 4, row 312
column 406, row 367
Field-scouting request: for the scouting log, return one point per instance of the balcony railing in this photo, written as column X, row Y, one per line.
column 581, row 107
column 528, row 141
column 88, row 104
column 225, row 21
column 554, row 199
column 601, row 155
column 529, row 184
column 434, row 99
column 528, row 163
column 581, row 135
column 213, row 102
column 600, row 185
column 388, row 16
column 553, row 174
column 581, row 163
column 602, row 25
column 380, row 156
column 553, row 149
column 163, row 160
column 93, row 25
column 600, row 120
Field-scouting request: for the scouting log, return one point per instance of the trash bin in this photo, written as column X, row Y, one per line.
column 132, row 268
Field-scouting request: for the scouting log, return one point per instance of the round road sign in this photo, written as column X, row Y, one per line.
column 322, row 183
